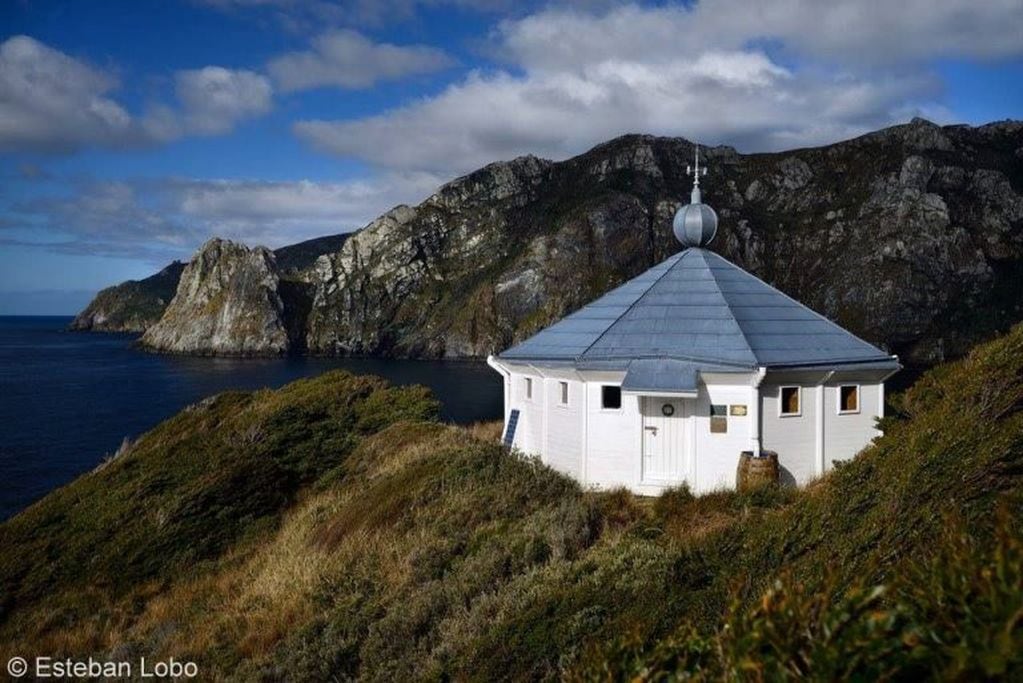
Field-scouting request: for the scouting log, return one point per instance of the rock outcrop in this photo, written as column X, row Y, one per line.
column 131, row 306
column 911, row 237
column 227, row 303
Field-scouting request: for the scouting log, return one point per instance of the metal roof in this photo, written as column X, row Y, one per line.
column 696, row 306
column 661, row 375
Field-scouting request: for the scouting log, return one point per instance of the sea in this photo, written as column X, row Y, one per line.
column 68, row 399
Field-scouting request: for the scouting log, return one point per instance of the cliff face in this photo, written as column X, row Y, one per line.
column 131, row 306
column 911, row 237
column 227, row 302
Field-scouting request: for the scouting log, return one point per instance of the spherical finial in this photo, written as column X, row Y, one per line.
column 695, row 225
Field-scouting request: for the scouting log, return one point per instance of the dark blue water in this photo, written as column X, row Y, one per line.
column 69, row 398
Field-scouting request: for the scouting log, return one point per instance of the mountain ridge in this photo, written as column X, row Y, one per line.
column 910, row 236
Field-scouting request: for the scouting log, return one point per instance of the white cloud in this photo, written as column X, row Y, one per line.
column 98, row 212
column 214, row 99
column 280, row 213
column 851, row 31
column 738, row 97
column 164, row 219
column 52, row 102
column 760, row 77
column 348, row 59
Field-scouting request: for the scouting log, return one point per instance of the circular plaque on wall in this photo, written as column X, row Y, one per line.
column 667, row 410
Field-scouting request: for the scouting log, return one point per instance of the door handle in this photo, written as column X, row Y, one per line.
column 652, row 429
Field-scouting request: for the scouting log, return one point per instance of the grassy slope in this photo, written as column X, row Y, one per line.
column 131, row 306
column 407, row 548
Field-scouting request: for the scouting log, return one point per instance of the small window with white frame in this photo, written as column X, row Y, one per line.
column 848, row 399
column 529, row 388
column 610, row 397
column 564, row 393
column 791, row 403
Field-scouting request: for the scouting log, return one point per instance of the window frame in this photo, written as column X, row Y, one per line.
column 722, row 419
column 529, row 388
column 603, row 407
column 838, row 399
column 565, row 394
column 781, row 400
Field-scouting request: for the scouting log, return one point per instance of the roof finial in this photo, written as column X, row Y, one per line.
column 695, row 223
column 695, row 171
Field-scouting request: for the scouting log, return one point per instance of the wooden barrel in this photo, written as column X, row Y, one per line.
column 754, row 472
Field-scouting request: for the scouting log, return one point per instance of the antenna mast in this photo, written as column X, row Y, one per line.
column 696, row 171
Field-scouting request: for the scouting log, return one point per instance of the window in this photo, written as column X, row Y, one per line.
column 718, row 418
column 849, row 398
column 790, row 401
column 564, row 393
column 529, row 388
column 610, row 397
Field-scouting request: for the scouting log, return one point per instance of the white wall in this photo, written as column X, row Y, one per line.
column 792, row 437
column 603, row 447
column 529, row 433
column 614, row 437
column 847, row 434
column 796, row 439
column 717, row 455
column 564, row 451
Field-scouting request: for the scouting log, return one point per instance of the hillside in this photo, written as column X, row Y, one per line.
column 137, row 305
column 296, row 259
column 131, row 306
column 910, row 237
column 332, row 529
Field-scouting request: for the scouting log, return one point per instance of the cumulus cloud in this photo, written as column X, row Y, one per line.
column 740, row 97
column 796, row 72
column 850, row 31
column 280, row 213
column 871, row 31
column 52, row 102
column 164, row 219
column 214, row 99
column 348, row 59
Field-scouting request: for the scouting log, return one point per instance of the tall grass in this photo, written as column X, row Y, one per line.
column 333, row 530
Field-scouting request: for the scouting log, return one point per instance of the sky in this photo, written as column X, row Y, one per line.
column 131, row 132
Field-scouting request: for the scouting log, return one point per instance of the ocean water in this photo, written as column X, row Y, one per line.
column 67, row 399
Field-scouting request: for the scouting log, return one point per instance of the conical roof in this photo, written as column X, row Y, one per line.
column 697, row 306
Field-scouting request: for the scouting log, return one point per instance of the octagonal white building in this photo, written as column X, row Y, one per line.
column 667, row 379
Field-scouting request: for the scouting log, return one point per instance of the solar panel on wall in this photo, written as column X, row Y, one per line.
column 509, row 434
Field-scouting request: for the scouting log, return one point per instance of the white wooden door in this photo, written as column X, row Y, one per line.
column 663, row 441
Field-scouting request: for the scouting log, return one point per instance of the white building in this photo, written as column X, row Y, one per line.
column 667, row 379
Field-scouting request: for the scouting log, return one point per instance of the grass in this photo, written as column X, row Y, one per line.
column 333, row 529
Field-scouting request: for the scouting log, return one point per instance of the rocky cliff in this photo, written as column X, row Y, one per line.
column 911, row 237
column 227, row 302
column 131, row 306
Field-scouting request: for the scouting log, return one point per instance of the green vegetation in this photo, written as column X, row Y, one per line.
column 131, row 306
column 333, row 529
column 298, row 257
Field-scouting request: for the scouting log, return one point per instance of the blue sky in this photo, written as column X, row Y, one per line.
column 130, row 132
